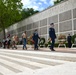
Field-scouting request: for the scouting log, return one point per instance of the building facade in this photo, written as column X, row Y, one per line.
column 63, row 15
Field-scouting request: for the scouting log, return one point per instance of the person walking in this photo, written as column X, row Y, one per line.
column 8, row 41
column 24, row 36
column 14, row 42
column 69, row 39
column 35, row 39
column 52, row 36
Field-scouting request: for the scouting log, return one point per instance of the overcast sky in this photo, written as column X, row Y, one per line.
column 37, row 4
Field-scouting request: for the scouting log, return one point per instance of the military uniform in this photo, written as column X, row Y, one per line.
column 69, row 38
column 52, row 35
column 35, row 38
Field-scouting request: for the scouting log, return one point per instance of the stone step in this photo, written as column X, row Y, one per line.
column 14, row 62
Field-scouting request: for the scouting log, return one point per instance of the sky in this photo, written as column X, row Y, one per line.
column 37, row 4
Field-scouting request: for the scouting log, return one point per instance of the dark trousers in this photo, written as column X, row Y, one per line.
column 52, row 44
column 24, row 43
column 4, row 44
column 36, row 45
column 69, row 44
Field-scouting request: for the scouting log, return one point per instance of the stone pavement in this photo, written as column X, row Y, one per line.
column 64, row 50
column 38, row 62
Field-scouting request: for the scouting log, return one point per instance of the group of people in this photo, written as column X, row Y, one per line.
column 6, row 42
column 9, row 42
column 34, row 39
column 52, row 36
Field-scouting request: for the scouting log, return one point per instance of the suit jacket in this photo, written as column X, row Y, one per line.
column 52, row 34
column 35, row 36
column 69, row 38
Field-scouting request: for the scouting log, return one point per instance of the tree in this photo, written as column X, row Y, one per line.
column 57, row 1
column 26, row 12
column 10, row 12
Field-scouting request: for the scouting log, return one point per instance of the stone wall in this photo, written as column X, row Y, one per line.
column 63, row 15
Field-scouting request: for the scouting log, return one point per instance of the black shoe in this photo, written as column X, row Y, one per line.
column 16, row 47
column 26, row 48
column 23, row 48
column 37, row 49
column 34, row 48
column 52, row 50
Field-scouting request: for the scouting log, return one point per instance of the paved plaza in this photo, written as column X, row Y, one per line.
column 38, row 62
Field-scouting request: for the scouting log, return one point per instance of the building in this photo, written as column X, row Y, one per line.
column 63, row 15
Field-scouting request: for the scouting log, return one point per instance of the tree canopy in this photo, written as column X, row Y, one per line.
column 10, row 12
column 26, row 12
column 57, row 1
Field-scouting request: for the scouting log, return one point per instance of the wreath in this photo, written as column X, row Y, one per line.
column 41, row 41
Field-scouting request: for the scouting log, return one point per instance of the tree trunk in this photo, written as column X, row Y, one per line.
column 4, row 33
column 3, row 29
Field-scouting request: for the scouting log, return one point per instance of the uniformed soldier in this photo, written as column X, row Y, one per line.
column 69, row 38
column 52, row 36
column 35, row 38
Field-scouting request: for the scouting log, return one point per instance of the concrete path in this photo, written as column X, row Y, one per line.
column 42, row 62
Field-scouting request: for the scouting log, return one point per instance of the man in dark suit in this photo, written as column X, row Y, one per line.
column 35, row 38
column 52, row 36
column 69, row 39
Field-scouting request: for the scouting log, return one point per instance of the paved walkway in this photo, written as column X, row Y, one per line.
column 64, row 50
column 38, row 62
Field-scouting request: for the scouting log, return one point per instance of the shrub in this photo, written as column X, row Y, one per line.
column 49, row 43
column 66, row 44
column 73, row 38
column 56, row 44
column 46, row 44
